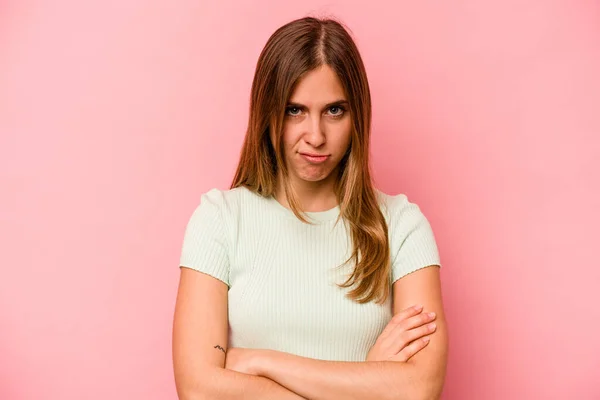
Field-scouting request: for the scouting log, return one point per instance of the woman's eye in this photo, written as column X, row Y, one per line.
column 336, row 111
column 293, row 111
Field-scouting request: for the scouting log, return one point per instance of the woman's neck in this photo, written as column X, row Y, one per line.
column 311, row 196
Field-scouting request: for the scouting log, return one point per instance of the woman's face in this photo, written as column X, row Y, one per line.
column 316, row 129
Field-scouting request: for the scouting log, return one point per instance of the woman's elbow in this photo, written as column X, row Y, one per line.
column 198, row 386
column 427, row 382
column 430, row 389
column 189, row 392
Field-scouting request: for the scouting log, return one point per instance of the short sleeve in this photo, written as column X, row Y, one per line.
column 205, row 246
column 412, row 242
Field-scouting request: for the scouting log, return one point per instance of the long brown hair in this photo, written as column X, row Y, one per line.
column 294, row 49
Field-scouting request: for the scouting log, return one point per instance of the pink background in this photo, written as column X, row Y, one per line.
column 116, row 115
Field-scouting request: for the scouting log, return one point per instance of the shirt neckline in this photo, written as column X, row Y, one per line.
column 315, row 216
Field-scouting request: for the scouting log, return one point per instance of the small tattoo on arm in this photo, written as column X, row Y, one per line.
column 220, row 348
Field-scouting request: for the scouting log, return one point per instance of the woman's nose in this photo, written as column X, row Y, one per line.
column 314, row 134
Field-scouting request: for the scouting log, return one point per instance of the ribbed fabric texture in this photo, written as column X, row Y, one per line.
column 281, row 272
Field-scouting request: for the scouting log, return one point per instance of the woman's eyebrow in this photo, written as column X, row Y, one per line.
column 333, row 103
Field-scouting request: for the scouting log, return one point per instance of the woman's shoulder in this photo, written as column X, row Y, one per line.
column 411, row 238
column 392, row 204
column 227, row 201
column 216, row 194
column 398, row 209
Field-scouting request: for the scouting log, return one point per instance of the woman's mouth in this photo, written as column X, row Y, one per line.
column 314, row 158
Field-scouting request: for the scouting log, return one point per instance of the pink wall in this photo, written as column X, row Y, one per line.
column 116, row 115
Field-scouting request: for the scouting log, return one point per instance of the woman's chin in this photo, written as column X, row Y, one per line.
column 313, row 178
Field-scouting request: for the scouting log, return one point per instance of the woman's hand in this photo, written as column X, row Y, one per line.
column 242, row 360
column 404, row 336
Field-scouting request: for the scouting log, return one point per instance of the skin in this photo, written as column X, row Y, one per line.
column 317, row 121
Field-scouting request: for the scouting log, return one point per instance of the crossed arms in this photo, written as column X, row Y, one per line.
column 204, row 372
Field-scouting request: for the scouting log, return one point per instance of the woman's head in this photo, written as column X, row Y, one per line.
column 310, row 62
column 310, row 96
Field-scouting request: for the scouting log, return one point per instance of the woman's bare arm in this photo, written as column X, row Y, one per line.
column 200, row 329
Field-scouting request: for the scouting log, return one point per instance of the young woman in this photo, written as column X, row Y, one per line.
column 301, row 280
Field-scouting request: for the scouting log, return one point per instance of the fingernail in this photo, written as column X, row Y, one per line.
column 418, row 307
column 432, row 314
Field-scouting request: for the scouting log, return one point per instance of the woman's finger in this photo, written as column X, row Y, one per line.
column 400, row 338
column 413, row 334
column 410, row 350
column 401, row 316
column 413, row 322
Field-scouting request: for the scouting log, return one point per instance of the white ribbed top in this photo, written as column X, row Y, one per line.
column 281, row 272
